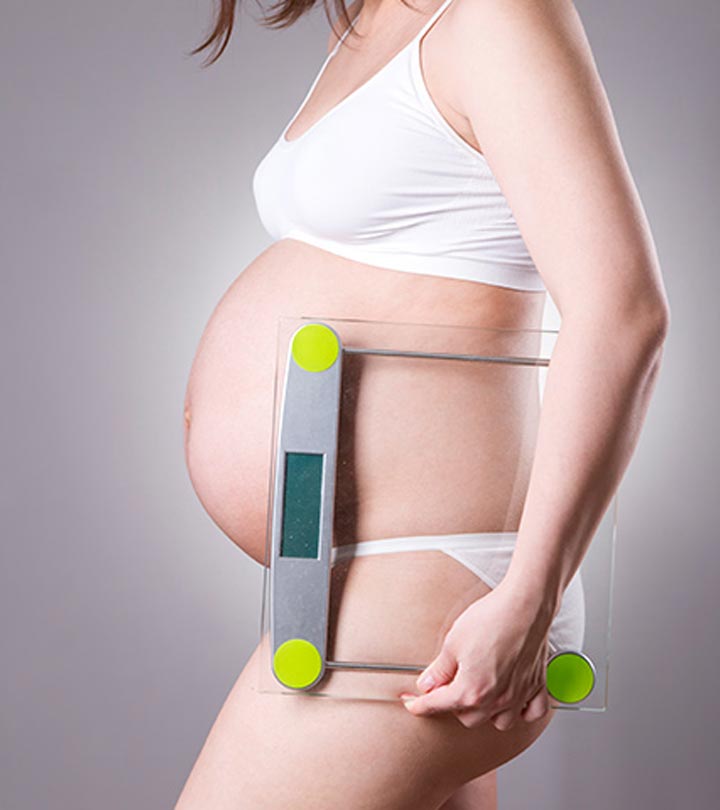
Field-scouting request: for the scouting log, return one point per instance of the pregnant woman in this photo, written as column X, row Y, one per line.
column 452, row 163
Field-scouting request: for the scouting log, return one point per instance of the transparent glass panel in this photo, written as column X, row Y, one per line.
column 401, row 459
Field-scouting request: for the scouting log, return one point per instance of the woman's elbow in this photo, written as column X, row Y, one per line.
column 644, row 333
column 629, row 302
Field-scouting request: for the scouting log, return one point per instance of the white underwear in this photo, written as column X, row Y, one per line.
column 487, row 555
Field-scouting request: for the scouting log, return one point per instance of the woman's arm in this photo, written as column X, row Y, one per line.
column 531, row 91
column 524, row 77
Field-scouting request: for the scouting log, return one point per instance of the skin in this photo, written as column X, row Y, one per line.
column 441, row 752
column 592, row 244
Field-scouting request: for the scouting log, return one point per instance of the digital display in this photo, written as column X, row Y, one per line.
column 301, row 505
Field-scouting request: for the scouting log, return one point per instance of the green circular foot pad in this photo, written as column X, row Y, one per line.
column 570, row 676
column 315, row 347
column 297, row 663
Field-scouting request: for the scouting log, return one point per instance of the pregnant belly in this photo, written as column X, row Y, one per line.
column 445, row 450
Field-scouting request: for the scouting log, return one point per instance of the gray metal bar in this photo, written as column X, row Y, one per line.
column 385, row 667
column 521, row 361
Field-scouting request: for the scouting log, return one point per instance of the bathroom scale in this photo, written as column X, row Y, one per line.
column 400, row 464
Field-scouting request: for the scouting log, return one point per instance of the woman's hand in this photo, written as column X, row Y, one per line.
column 492, row 663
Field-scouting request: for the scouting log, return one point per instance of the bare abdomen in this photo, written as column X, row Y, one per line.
column 434, row 447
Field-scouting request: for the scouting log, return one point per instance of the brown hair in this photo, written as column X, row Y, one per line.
column 282, row 15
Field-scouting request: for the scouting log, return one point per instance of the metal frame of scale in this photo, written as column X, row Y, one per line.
column 296, row 588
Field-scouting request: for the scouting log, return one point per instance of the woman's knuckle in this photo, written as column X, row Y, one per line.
column 471, row 697
column 469, row 721
column 504, row 703
column 506, row 696
column 466, row 701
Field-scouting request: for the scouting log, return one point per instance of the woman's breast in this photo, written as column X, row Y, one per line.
column 425, row 446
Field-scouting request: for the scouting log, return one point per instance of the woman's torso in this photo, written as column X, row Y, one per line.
column 230, row 397
column 229, row 401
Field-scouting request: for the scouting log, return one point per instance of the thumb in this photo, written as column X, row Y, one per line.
column 440, row 671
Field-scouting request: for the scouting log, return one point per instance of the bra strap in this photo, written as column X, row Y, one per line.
column 344, row 34
column 438, row 11
column 433, row 17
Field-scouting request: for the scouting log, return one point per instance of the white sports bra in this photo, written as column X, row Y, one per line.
column 382, row 178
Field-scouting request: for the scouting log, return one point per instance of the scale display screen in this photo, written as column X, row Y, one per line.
column 302, row 499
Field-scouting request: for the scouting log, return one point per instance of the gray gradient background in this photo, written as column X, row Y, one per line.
column 127, row 212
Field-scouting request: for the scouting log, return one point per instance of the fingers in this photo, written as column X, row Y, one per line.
column 470, row 701
column 471, row 706
column 440, row 671
column 505, row 720
column 475, row 705
column 538, row 706
column 444, row 698
column 534, row 709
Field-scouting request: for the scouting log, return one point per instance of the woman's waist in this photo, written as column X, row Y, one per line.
column 311, row 281
column 409, row 499
column 448, row 462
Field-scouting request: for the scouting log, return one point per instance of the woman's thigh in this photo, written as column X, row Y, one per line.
column 269, row 749
column 478, row 794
